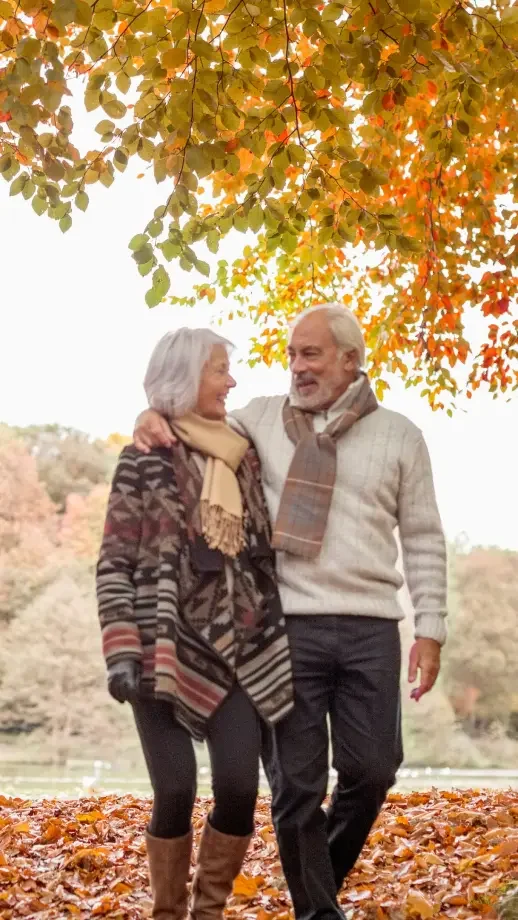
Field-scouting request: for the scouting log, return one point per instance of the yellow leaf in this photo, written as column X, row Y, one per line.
column 22, row 828
column 90, row 817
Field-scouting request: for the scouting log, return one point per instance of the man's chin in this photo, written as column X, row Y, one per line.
column 311, row 402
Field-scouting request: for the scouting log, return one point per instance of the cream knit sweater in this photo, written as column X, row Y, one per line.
column 384, row 481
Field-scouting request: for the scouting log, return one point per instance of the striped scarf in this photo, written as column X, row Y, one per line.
column 308, row 490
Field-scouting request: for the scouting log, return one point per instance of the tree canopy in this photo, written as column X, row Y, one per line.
column 366, row 145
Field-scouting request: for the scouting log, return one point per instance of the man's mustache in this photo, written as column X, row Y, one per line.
column 304, row 378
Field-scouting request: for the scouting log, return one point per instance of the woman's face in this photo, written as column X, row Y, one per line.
column 215, row 384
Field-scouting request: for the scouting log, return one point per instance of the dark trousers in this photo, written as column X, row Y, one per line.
column 234, row 743
column 347, row 674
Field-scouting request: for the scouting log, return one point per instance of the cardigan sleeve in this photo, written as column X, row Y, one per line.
column 117, row 562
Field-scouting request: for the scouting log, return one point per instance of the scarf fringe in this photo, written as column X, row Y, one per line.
column 221, row 530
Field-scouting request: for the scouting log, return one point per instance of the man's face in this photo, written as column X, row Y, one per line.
column 320, row 371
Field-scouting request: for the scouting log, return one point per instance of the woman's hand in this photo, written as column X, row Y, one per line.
column 152, row 430
column 124, row 680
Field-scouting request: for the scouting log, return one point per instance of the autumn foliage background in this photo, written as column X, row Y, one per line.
column 53, row 700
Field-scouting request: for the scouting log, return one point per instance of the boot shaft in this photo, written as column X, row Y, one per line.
column 220, row 857
column 169, row 863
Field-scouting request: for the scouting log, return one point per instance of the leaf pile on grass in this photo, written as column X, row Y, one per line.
column 433, row 854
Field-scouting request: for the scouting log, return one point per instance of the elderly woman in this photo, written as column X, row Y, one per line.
column 193, row 633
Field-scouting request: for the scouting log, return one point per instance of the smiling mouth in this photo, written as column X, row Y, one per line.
column 306, row 385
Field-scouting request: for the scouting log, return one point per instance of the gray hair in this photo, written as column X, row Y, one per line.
column 344, row 326
column 172, row 380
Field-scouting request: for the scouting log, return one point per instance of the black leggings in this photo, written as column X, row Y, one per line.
column 234, row 743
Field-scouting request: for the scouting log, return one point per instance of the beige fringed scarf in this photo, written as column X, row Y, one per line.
column 221, row 507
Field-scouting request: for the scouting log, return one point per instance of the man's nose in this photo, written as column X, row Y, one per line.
column 231, row 383
column 298, row 365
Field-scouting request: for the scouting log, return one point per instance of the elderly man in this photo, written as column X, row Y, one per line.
column 340, row 474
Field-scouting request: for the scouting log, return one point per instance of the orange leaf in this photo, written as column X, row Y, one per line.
column 389, row 101
column 418, row 905
column 246, row 886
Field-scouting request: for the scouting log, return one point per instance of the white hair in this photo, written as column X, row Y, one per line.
column 172, row 380
column 344, row 326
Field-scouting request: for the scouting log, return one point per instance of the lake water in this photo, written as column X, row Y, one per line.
column 91, row 777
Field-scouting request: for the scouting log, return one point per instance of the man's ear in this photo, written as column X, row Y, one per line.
column 350, row 361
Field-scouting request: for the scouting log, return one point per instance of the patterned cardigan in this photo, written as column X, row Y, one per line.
column 163, row 595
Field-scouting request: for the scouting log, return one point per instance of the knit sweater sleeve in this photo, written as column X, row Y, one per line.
column 423, row 543
column 117, row 562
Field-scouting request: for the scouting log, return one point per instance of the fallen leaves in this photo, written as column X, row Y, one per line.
column 430, row 855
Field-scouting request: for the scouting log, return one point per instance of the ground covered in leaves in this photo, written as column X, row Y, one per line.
column 436, row 854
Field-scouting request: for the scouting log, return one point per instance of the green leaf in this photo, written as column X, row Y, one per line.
column 106, row 179
column 170, row 250
column 155, row 228
column 46, row 139
column 115, row 108
column 28, row 190
column 332, row 12
column 64, row 12
column 203, row 267
column 255, row 218
column 368, row 182
column 202, row 49
column 138, row 241
column 144, row 255
column 161, row 280
column 81, row 201
column 104, row 20
column 65, row 223
column 462, row 127
column 120, row 159
column 123, row 82
column 105, row 127
column 153, row 297
column 18, row 185
column 229, row 118
column 92, row 100
column 39, row 205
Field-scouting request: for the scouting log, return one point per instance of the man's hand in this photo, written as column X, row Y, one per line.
column 425, row 658
column 152, row 430
column 123, row 680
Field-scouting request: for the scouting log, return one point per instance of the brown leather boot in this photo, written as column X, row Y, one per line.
column 220, row 858
column 169, row 863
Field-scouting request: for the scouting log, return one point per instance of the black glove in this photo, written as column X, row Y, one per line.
column 123, row 680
